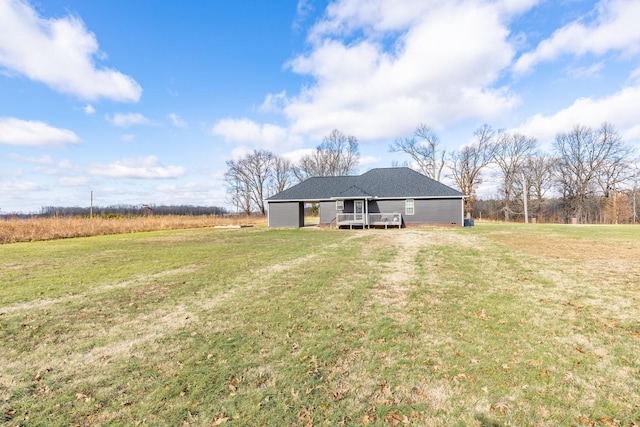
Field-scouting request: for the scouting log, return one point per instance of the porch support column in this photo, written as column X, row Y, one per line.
column 366, row 212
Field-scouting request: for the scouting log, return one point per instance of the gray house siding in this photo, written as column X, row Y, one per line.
column 328, row 211
column 286, row 214
column 437, row 211
column 426, row 211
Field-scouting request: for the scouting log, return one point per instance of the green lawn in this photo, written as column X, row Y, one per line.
column 495, row 325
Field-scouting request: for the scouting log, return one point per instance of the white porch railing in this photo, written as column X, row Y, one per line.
column 373, row 219
column 385, row 219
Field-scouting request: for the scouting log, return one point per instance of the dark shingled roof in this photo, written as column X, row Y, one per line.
column 379, row 183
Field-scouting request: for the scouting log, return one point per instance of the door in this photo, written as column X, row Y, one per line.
column 358, row 210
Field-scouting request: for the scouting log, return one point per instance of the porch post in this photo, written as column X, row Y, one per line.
column 366, row 212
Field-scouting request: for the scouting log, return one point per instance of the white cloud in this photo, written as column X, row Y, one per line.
column 615, row 29
column 368, row 88
column 76, row 181
column 88, row 109
column 13, row 188
column 59, row 53
column 143, row 168
column 42, row 160
column 619, row 109
column 240, row 151
column 248, row 132
column 34, row 134
column 129, row 119
column 273, row 102
column 298, row 154
column 632, row 135
column 367, row 161
column 177, row 121
column 128, row 137
column 191, row 193
column 375, row 17
column 65, row 164
column 592, row 70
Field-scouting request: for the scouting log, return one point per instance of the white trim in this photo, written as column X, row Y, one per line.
column 331, row 199
column 407, row 207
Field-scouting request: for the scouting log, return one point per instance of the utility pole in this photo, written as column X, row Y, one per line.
column 91, row 208
column 525, row 197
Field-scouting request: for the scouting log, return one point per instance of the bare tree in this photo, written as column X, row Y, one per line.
column 282, row 173
column 614, row 172
column 239, row 194
column 248, row 178
column 467, row 163
column 584, row 154
column 422, row 147
column 538, row 169
column 511, row 154
column 337, row 155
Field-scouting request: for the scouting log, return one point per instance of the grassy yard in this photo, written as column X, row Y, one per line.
column 494, row 325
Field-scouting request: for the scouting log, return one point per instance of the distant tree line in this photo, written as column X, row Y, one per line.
column 123, row 211
column 589, row 176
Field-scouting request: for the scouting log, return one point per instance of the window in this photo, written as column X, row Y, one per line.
column 339, row 205
column 408, row 207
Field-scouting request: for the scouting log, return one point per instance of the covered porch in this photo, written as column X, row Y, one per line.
column 361, row 211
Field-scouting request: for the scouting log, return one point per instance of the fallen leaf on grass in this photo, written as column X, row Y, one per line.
column 339, row 394
column 586, row 420
column 500, row 406
column 395, row 418
column 482, row 315
column 221, row 420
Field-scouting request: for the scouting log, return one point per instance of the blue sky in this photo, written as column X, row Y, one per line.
column 142, row 102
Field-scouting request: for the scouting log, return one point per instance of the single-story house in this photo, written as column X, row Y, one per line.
column 380, row 197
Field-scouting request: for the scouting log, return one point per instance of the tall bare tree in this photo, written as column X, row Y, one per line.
column 614, row 173
column 422, row 147
column 511, row 153
column 248, row 178
column 583, row 154
column 538, row 171
column 337, row 155
column 282, row 173
column 467, row 163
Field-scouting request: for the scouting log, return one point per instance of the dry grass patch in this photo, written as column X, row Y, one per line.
column 34, row 229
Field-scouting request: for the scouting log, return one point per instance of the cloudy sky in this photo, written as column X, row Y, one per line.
column 142, row 102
